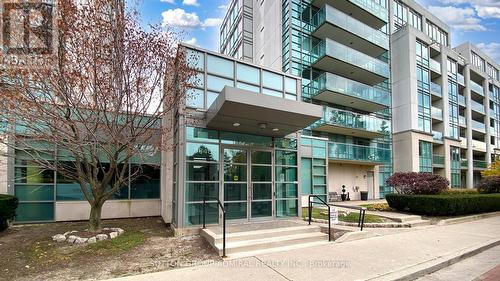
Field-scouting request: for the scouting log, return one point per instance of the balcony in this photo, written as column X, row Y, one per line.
column 437, row 113
column 461, row 121
column 353, row 124
column 478, row 126
column 460, row 79
column 437, row 136
column 461, row 100
column 358, row 153
column 479, row 145
column 463, row 142
column 368, row 11
column 478, row 107
column 464, row 164
column 479, row 164
column 476, row 88
column 436, row 89
column 437, row 160
column 329, row 22
column 334, row 57
column 339, row 90
column 435, row 66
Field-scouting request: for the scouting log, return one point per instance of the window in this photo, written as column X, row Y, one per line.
column 425, row 155
column 272, row 80
column 477, row 61
column 247, row 74
column 220, row 66
column 216, row 84
column 415, row 19
column 492, row 71
column 422, row 52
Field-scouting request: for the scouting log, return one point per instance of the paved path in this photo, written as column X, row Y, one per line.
column 356, row 260
column 469, row 269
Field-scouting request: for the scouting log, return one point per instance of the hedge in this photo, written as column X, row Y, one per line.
column 444, row 205
column 8, row 205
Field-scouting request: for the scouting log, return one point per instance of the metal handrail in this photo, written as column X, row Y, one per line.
column 362, row 210
column 223, row 221
column 310, row 203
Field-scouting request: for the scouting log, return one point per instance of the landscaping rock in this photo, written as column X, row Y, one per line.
column 59, row 238
column 92, row 240
column 113, row 235
column 119, row 230
column 101, row 237
column 80, row 240
column 71, row 239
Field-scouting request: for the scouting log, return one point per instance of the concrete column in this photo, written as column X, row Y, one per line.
column 468, row 116
column 486, row 103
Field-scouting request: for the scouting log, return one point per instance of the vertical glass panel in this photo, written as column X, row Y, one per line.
column 195, row 98
column 286, row 157
column 306, row 176
column 272, row 80
column 235, row 156
column 69, row 192
column 319, row 152
column 286, row 208
column 197, row 80
column 285, row 143
column 248, row 74
column 246, row 139
column 236, row 210
column 35, row 192
column 27, row 212
column 235, row 173
column 215, row 83
column 211, row 96
column 201, row 134
column 202, row 152
column 262, row 209
column 262, row 191
column 290, row 85
column 220, row 66
column 197, row 191
column 272, row 93
column 261, row 157
column 248, row 87
column 261, row 173
column 286, row 174
column 194, row 213
column 145, row 186
column 287, row 190
column 235, row 192
column 195, row 59
column 33, row 175
column 202, row 172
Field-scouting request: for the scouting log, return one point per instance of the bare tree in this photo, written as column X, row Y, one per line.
column 101, row 100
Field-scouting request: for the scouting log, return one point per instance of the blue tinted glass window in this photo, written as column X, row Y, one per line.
column 248, row 87
column 272, row 80
column 272, row 93
column 211, row 96
column 248, row 74
column 195, row 59
column 202, row 152
column 220, row 66
column 195, row 98
column 215, row 83
column 290, row 85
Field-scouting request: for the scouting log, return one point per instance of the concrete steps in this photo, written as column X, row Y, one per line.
column 247, row 243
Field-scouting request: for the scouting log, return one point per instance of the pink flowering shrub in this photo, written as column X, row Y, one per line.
column 417, row 183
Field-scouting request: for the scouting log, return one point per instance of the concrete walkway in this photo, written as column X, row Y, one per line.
column 386, row 257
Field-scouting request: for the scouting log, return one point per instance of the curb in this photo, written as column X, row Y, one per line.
column 369, row 224
column 415, row 271
column 467, row 218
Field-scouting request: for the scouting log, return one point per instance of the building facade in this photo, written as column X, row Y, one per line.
column 444, row 99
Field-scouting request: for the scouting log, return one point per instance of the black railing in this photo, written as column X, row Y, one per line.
column 321, row 201
column 361, row 218
column 223, row 221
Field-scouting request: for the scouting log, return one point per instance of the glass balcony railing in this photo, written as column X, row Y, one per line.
column 438, row 136
column 479, row 164
column 461, row 100
column 373, row 8
column 328, row 47
column 437, row 113
column 479, row 145
column 438, row 160
column 478, row 107
column 476, row 88
column 478, row 126
column 464, row 163
column 463, row 142
column 461, row 121
column 460, row 79
column 331, row 82
column 435, row 66
column 436, row 89
column 348, row 119
column 352, row 152
column 335, row 17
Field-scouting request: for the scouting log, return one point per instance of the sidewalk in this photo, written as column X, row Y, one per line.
column 370, row 258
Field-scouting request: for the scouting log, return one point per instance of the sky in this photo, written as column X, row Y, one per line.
column 477, row 21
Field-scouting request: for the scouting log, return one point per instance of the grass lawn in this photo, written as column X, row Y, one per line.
column 318, row 213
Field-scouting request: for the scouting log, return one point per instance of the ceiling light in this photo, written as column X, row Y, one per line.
column 236, row 124
column 262, row 126
column 275, row 129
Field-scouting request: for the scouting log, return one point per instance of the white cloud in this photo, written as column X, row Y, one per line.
column 223, row 7
column 492, row 49
column 191, row 3
column 192, row 41
column 168, row 1
column 463, row 19
column 180, row 18
column 484, row 8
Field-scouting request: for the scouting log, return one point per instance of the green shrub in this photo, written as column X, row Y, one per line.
column 417, row 183
column 457, row 191
column 8, row 205
column 490, row 184
column 444, row 205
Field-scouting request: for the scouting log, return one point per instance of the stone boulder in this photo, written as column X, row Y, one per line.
column 59, row 238
column 101, row 237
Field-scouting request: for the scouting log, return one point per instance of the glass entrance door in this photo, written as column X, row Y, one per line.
column 261, row 184
column 248, row 183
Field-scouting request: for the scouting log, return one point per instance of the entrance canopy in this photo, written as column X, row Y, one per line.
column 255, row 113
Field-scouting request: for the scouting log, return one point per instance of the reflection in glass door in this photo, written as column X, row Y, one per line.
column 261, row 184
column 235, row 183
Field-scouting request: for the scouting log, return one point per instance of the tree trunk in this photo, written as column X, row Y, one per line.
column 95, row 217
